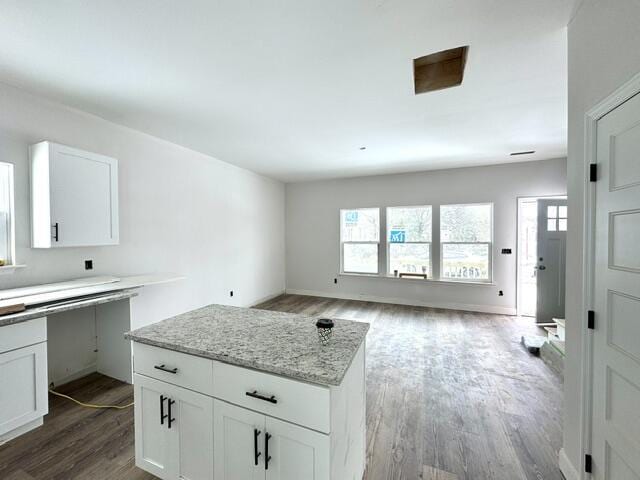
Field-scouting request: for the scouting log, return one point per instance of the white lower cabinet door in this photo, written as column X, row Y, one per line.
column 193, row 417
column 296, row 453
column 238, row 443
column 174, row 431
column 23, row 386
column 152, row 436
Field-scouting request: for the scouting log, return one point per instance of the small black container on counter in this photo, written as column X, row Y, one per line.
column 325, row 330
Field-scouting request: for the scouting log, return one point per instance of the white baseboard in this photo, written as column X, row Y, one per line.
column 266, row 299
column 74, row 376
column 566, row 467
column 403, row 301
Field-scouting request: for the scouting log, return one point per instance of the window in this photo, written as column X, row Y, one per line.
column 360, row 239
column 466, row 236
column 409, row 240
column 6, row 214
column 557, row 218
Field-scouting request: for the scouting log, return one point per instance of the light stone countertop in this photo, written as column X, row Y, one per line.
column 273, row 342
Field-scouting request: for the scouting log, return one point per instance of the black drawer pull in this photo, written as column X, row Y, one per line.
column 165, row 369
column 256, row 453
column 255, row 394
column 267, row 457
column 56, row 236
column 170, row 418
column 162, row 414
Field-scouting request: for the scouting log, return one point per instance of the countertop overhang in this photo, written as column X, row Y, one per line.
column 284, row 344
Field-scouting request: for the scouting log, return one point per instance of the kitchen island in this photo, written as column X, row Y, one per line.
column 243, row 394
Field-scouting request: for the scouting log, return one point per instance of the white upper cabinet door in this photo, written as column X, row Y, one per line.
column 238, row 443
column 295, row 453
column 74, row 197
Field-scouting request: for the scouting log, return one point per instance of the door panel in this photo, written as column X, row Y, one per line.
column 23, row 391
column 296, row 452
column 616, row 355
column 235, row 443
column 551, row 268
column 194, row 422
column 82, row 192
column 153, row 441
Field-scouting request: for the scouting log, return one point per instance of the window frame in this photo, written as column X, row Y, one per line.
column 388, row 243
column 359, row 242
column 10, row 262
column 489, row 244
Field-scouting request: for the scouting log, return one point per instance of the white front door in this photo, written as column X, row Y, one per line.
column 616, row 340
column 296, row 453
column 551, row 267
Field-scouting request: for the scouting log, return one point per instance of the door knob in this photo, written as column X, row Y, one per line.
column 542, row 267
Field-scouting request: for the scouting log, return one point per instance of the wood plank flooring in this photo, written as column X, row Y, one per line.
column 450, row 396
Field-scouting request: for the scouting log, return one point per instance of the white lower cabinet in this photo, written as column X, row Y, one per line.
column 23, row 391
column 174, row 430
column 296, row 452
column 252, row 446
column 245, row 424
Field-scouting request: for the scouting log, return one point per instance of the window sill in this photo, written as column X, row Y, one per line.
column 414, row 279
column 8, row 269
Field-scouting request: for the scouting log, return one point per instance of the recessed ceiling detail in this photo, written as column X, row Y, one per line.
column 439, row 70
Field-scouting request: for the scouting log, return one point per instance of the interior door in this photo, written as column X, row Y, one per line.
column 616, row 338
column 296, row 453
column 239, row 443
column 551, row 266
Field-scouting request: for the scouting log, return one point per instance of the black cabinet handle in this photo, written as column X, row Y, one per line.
column 267, row 436
column 56, row 227
column 165, row 369
column 162, row 414
column 255, row 394
column 256, row 453
column 170, row 418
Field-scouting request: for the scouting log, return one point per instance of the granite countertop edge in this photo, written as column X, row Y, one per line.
column 324, row 380
column 284, row 347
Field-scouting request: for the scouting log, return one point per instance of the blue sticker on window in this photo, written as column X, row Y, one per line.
column 351, row 217
column 397, row 236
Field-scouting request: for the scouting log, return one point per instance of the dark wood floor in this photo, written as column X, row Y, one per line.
column 450, row 396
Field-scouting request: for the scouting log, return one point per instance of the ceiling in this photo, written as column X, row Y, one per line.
column 293, row 88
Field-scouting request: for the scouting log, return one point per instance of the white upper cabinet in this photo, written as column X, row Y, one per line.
column 74, row 197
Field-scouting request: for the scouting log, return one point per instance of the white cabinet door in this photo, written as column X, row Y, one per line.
column 83, row 197
column 239, row 443
column 193, row 421
column 23, row 391
column 74, row 197
column 296, row 453
column 153, row 441
column 174, row 431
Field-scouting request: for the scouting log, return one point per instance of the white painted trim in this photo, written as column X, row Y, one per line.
column 617, row 98
column 266, row 299
column 566, row 467
column 74, row 376
column 403, row 301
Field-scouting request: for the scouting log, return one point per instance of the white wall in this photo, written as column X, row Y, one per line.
column 603, row 54
column 180, row 211
column 312, row 227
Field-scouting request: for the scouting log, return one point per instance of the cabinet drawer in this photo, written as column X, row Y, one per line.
column 188, row 371
column 297, row 402
column 22, row 334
